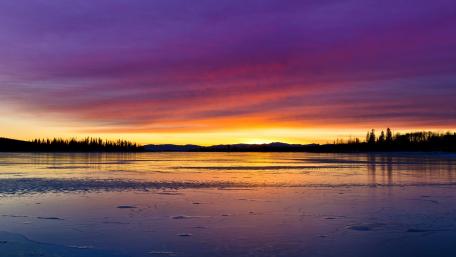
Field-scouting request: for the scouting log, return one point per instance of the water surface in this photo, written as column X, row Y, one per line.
column 227, row 204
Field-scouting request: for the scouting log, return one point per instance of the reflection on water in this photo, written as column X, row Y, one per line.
column 236, row 169
column 227, row 204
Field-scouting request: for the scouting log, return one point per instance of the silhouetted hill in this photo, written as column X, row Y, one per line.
column 171, row 148
column 7, row 144
column 271, row 147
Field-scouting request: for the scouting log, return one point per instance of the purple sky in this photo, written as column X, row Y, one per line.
column 168, row 66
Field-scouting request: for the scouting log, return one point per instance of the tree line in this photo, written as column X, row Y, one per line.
column 388, row 141
column 385, row 141
column 88, row 144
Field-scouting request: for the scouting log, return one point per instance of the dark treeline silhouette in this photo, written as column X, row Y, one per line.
column 68, row 145
column 386, row 141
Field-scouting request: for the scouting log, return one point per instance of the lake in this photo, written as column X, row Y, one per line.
column 227, row 204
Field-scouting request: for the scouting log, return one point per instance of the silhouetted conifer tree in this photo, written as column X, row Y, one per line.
column 389, row 136
column 372, row 137
column 381, row 138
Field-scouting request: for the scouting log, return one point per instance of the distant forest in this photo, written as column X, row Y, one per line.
column 68, row 145
column 385, row 141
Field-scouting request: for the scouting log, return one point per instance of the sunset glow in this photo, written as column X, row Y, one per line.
column 210, row 72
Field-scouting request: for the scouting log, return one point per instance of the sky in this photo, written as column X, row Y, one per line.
column 225, row 71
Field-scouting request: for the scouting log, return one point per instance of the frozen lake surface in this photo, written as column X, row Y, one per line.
column 227, row 204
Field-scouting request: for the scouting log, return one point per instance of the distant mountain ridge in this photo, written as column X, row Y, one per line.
column 270, row 147
column 171, row 148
